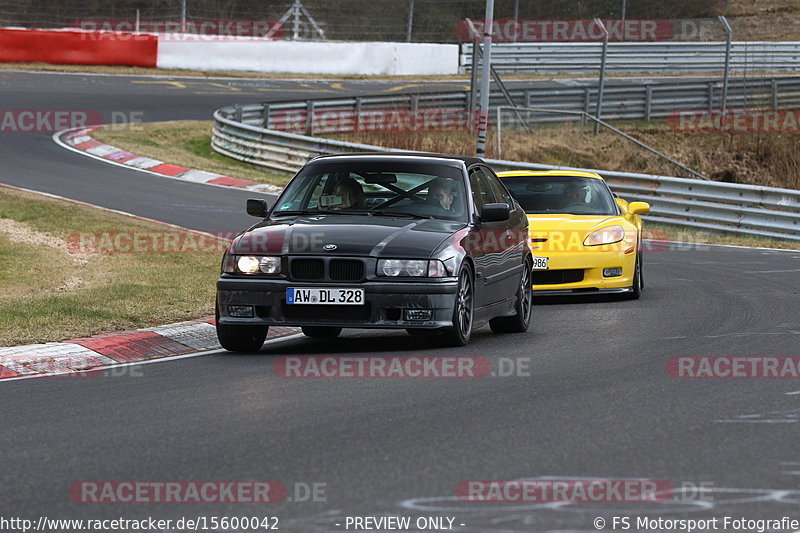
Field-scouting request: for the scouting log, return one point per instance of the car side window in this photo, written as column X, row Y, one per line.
column 499, row 191
column 481, row 190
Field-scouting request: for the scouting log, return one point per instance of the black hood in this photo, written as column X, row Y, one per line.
column 353, row 235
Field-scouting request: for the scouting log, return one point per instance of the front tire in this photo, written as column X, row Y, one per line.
column 321, row 332
column 638, row 279
column 240, row 338
column 461, row 331
column 524, row 306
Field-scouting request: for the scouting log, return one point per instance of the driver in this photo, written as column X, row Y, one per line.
column 574, row 193
column 442, row 193
column 351, row 192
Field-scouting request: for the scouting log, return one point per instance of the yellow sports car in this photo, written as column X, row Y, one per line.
column 584, row 239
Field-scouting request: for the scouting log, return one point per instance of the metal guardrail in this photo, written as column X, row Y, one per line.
column 706, row 205
column 622, row 100
column 652, row 57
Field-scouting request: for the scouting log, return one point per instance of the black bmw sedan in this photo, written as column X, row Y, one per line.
column 433, row 244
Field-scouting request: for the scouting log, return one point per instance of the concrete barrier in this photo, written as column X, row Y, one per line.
column 337, row 58
column 205, row 52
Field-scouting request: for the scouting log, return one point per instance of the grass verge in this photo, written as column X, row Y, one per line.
column 51, row 291
column 692, row 237
column 186, row 143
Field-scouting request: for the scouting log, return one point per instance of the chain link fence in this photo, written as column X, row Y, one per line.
column 418, row 20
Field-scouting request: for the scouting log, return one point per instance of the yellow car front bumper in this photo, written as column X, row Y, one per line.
column 581, row 270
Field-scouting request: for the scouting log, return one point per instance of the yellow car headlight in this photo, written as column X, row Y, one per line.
column 607, row 235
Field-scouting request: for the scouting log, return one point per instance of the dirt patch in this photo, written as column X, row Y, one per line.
column 19, row 232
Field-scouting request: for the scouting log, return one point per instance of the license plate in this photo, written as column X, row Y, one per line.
column 326, row 296
column 540, row 263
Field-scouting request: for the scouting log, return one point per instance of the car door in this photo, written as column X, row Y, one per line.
column 487, row 242
column 514, row 240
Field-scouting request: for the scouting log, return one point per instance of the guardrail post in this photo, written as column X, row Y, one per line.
column 648, row 102
column 265, row 121
column 310, row 117
column 414, row 103
column 237, row 112
column 358, row 114
column 774, row 84
column 710, row 96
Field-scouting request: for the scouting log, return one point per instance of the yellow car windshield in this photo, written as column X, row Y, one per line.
column 571, row 195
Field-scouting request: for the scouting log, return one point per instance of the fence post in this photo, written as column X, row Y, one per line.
column 473, row 82
column 410, row 20
column 601, row 81
column 499, row 127
column 586, row 98
column 728, row 39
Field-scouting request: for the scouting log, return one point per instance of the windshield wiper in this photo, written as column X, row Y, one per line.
column 398, row 214
column 308, row 212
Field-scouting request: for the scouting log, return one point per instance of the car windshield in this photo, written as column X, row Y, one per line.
column 387, row 188
column 571, row 195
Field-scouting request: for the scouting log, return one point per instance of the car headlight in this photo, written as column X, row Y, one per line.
column 270, row 264
column 416, row 268
column 250, row 264
column 607, row 235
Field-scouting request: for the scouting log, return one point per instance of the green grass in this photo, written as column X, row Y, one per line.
column 40, row 300
column 186, row 143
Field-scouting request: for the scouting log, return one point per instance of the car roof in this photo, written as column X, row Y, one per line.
column 405, row 156
column 545, row 173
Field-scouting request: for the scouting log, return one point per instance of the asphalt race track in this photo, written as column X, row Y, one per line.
column 589, row 395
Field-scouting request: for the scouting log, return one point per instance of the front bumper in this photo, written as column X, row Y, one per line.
column 384, row 307
column 591, row 262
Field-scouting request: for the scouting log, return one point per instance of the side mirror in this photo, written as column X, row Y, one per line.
column 256, row 207
column 495, row 212
column 622, row 203
column 638, row 208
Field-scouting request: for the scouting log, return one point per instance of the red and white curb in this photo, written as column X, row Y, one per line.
column 81, row 141
column 109, row 349
column 182, row 339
